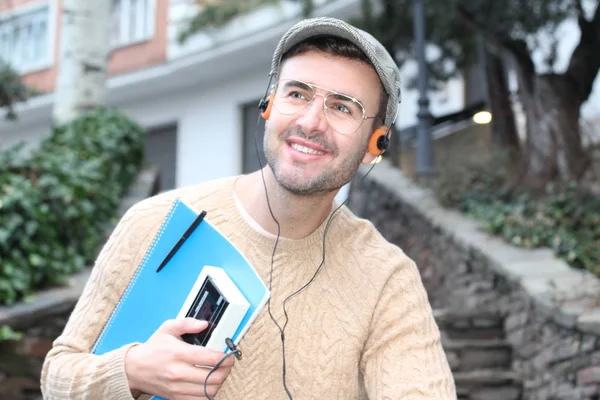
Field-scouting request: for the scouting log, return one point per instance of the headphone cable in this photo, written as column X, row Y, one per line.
column 333, row 213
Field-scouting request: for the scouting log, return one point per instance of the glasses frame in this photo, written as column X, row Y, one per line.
column 364, row 117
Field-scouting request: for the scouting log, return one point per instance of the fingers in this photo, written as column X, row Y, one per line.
column 178, row 327
column 217, row 377
column 192, row 354
column 193, row 374
column 170, row 365
column 197, row 355
column 193, row 391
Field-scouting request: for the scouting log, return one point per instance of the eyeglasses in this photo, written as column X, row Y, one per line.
column 344, row 113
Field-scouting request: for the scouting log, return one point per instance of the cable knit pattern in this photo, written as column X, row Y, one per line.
column 362, row 330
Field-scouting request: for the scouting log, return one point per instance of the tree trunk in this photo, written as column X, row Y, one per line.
column 83, row 64
column 552, row 104
column 553, row 147
column 504, row 131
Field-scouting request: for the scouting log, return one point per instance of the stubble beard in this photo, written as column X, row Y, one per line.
column 327, row 181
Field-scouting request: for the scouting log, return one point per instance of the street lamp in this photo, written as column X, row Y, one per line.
column 425, row 158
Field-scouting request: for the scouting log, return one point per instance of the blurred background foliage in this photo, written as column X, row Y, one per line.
column 564, row 217
column 57, row 201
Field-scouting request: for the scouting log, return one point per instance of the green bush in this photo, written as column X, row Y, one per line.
column 564, row 218
column 56, row 201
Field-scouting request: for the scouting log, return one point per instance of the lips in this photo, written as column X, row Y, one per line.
column 306, row 147
column 306, row 150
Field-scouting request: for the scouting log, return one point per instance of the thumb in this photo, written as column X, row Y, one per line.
column 178, row 327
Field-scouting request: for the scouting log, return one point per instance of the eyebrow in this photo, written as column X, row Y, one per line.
column 305, row 86
column 298, row 84
column 340, row 96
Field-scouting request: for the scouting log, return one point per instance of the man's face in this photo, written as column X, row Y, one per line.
column 306, row 154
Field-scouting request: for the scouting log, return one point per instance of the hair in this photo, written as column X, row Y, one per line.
column 341, row 48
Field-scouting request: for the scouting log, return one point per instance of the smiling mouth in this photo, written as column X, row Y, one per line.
column 306, row 150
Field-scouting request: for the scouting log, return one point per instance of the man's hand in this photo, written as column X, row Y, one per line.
column 168, row 367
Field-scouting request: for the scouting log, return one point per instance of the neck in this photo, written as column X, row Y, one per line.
column 298, row 216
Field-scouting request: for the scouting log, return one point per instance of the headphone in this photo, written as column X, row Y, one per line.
column 378, row 142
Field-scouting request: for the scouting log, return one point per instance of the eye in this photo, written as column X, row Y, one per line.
column 296, row 95
column 341, row 108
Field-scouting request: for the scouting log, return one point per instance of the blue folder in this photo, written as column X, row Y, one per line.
column 151, row 297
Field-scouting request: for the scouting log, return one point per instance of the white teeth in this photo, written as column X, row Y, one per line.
column 306, row 150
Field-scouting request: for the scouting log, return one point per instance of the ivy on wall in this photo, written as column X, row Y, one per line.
column 563, row 217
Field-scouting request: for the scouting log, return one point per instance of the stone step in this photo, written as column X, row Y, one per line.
column 488, row 384
column 470, row 324
column 471, row 354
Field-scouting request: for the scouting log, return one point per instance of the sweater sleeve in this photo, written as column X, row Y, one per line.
column 403, row 356
column 70, row 371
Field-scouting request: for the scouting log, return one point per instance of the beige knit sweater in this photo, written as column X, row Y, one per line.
column 363, row 329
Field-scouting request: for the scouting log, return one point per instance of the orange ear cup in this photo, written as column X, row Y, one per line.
column 373, row 148
column 267, row 113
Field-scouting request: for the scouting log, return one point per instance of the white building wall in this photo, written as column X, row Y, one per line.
column 209, row 130
column 208, row 118
column 212, row 126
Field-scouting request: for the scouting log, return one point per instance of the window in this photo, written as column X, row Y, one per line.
column 250, row 116
column 25, row 40
column 161, row 151
column 133, row 21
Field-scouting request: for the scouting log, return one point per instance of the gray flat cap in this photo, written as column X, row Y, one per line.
column 381, row 60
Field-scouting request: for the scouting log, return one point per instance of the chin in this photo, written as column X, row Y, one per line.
column 305, row 187
column 304, row 190
column 304, row 180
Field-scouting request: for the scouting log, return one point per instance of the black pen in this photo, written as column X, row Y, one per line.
column 183, row 238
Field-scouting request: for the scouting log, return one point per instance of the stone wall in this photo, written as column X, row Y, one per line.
column 552, row 312
column 21, row 360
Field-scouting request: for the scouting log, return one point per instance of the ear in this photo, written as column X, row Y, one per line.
column 377, row 145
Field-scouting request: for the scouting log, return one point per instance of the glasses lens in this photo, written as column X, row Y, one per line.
column 292, row 96
column 344, row 113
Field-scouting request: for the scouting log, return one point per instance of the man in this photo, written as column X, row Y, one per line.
column 348, row 316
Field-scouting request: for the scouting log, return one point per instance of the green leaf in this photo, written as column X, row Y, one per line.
column 7, row 333
column 35, row 260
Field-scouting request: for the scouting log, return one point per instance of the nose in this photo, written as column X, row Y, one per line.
column 313, row 119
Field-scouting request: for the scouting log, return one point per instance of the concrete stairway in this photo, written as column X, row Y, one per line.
column 479, row 356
